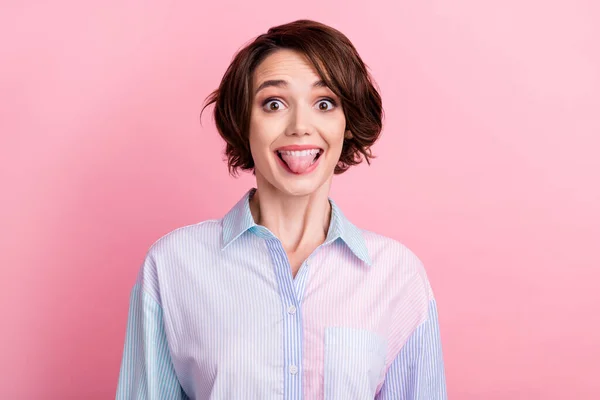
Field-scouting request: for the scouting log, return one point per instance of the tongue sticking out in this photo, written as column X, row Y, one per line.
column 298, row 164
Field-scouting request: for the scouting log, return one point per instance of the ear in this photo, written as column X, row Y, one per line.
column 348, row 135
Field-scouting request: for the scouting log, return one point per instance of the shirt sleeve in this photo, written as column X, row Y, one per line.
column 417, row 373
column 146, row 368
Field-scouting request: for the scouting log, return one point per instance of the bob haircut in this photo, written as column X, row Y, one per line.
column 338, row 64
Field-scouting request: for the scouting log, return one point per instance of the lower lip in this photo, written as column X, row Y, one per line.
column 308, row 171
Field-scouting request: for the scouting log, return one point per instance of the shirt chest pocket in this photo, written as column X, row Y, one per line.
column 354, row 363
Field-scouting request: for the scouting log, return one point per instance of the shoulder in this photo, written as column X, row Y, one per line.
column 165, row 253
column 394, row 259
column 204, row 233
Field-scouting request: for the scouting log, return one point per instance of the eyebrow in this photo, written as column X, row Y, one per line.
column 280, row 83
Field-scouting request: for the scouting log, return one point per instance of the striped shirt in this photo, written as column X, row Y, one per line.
column 215, row 313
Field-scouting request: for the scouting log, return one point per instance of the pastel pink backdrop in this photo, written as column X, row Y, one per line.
column 488, row 169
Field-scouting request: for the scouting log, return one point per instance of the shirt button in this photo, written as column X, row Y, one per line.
column 292, row 310
column 293, row 369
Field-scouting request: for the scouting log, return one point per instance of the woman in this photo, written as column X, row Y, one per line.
column 284, row 298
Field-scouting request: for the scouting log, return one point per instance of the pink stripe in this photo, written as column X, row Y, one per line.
column 395, row 285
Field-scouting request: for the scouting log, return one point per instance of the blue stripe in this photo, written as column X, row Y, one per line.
column 354, row 363
column 292, row 323
column 146, row 368
column 418, row 371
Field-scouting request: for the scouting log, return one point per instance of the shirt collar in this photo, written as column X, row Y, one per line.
column 239, row 220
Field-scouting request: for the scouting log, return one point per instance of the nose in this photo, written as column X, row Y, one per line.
column 300, row 122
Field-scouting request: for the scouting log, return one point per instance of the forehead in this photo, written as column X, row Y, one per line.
column 284, row 64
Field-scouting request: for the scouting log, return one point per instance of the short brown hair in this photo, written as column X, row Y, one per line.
column 337, row 63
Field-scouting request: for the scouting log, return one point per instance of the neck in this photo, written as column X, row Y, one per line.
column 300, row 222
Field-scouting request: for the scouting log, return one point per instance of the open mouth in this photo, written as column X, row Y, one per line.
column 315, row 153
column 299, row 161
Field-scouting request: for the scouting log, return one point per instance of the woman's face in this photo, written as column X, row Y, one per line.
column 296, row 125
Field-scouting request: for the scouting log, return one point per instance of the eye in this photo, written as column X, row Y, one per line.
column 271, row 105
column 326, row 104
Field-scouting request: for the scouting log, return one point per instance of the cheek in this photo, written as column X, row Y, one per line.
column 261, row 127
column 260, row 139
column 256, row 129
column 337, row 131
column 264, row 131
column 336, row 137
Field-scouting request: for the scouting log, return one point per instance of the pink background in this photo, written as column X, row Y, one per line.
column 488, row 169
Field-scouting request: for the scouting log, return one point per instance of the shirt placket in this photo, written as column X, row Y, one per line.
column 291, row 293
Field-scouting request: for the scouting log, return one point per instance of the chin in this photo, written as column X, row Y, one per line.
column 299, row 188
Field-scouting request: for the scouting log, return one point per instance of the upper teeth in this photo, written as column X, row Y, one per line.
column 311, row 152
